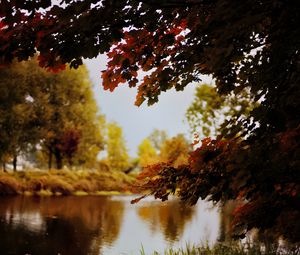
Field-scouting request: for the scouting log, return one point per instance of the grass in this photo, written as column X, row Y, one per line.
column 225, row 249
column 64, row 182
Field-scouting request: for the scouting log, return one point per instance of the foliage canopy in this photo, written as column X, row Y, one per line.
column 117, row 155
column 247, row 44
column 55, row 111
column 147, row 153
column 211, row 113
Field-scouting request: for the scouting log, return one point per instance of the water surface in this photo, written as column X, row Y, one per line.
column 101, row 225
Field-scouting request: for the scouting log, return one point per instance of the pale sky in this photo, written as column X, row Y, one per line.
column 138, row 122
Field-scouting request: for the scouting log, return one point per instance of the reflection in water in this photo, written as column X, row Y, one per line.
column 101, row 225
column 170, row 217
column 226, row 218
column 59, row 225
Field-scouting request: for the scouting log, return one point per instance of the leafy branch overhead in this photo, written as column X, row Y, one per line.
column 247, row 46
column 177, row 41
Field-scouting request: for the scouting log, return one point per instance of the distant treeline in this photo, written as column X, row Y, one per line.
column 51, row 120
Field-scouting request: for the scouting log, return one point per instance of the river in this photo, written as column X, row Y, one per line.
column 102, row 225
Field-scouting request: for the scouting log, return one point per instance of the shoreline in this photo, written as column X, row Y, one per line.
column 65, row 183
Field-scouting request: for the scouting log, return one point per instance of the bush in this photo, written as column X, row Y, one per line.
column 57, row 185
column 37, row 184
column 9, row 186
column 85, row 185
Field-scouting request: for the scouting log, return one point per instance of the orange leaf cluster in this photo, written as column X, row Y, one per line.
column 141, row 49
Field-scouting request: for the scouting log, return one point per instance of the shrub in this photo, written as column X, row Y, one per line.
column 9, row 186
column 57, row 185
column 85, row 185
column 37, row 184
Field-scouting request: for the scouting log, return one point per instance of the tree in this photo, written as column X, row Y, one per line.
column 92, row 139
column 157, row 138
column 70, row 142
column 147, row 154
column 56, row 111
column 20, row 121
column 210, row 113
column 252, row 45
column 70, row 111
column 118, row 158
column 175, row 151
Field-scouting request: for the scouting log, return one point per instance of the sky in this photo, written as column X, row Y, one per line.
column 138, row 122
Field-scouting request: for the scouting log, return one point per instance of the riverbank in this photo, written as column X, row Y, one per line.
column 65, row 182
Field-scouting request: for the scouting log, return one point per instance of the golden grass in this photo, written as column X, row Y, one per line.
column 85, row 185
column 64, row 182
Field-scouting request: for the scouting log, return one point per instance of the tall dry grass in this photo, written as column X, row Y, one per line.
column 63, row 182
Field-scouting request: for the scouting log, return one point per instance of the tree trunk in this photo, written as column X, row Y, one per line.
column 4, row 166
column 50, row 158
column 15, row 163
column 58, row 159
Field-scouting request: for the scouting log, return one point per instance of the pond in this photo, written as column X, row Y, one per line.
column 102, row 225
